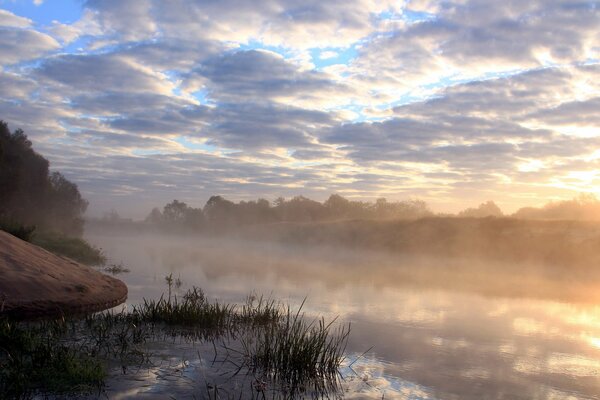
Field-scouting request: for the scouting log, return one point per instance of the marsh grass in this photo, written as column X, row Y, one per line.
column 71, row 355
column 35, row 358
column 116, row 269
column 190, row 310
column 295, row 351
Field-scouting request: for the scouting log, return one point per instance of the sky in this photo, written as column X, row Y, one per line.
column 453, row 102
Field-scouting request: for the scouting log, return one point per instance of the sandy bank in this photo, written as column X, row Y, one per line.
column 37, row 283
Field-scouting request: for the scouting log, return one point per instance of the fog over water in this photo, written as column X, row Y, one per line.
column 439, row 328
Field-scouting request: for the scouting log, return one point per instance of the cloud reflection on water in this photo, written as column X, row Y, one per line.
column 461, row 336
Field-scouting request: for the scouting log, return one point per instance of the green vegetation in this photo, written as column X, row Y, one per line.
column 220, row 214
column 34, row 357
column 74, row 248
column 31, row 195
column 116, row 269
column 72, row 356
column 294, row 350
column 193, row 309
column 16, row 229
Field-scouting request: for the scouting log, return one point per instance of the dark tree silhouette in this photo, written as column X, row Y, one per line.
column 29, row 194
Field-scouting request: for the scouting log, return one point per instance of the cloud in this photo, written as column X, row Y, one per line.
column 474, row 38
column 8, row 19
column 326, row 55
column 477, row 136
column 18, row 45
column 15, row 87
column 250, row 125
column 262, row 76
column 63, row 32
column 274, row 22
column 129, row 19
column 439, row 99
column 103, row 72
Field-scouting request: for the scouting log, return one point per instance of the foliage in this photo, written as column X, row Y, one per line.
column 70, row 356
column 30, row 194
column 220, row 214
column 75, row 248
column 35, row 357
column 487, row 209
column 14, row 228
column 583, row 207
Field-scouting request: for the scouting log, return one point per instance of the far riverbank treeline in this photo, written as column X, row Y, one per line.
column 222, row 215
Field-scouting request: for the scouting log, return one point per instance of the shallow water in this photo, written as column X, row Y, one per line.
column 439, row 329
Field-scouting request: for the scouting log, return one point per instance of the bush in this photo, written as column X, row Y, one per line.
column 75, row 248
column 23, row 232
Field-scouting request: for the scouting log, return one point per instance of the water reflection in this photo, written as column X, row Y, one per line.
column 439, row 328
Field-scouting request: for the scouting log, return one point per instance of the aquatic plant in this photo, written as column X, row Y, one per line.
column 70, row 356
column 295, row 350
column 35, row 358
column 116, row 269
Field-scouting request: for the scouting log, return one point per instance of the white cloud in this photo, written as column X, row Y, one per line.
column 18, row 45
column 326, row 55
column 11, row 20
column 238, row 76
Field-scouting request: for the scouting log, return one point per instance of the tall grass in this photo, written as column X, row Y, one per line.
column 35, row 359
column 71, row 355
column 192, row 309
column 295, row 350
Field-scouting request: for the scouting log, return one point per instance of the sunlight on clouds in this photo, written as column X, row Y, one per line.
column 594, row 341
column 531, row 166
column 8, row 19
column 466, row 104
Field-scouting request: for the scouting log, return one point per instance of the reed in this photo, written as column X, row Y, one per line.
column 70, row 356
column 295, row 350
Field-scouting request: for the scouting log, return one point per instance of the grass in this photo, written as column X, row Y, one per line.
column 71, row 356
column 35, row 357
column 74, row 248
column 192, row 309
column 116, row 269
column 295, row 350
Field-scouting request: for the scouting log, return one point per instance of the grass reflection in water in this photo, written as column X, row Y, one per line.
column 272, row 347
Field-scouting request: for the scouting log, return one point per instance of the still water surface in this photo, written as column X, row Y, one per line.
column 438, row 329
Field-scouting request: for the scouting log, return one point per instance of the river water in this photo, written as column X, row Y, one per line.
column 434, row 329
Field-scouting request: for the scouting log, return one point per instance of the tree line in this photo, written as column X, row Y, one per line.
column 221, row 214
column 30, row 194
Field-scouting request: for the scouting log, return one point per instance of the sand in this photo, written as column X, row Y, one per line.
column 36, row 283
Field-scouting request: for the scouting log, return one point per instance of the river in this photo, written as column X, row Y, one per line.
column 434, row 329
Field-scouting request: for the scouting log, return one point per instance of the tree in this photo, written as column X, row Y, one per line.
column 155, row 217
column 66, row 205
column 29, row 194
column 487, row 209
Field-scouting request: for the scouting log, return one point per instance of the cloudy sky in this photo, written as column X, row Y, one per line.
column 452, row 102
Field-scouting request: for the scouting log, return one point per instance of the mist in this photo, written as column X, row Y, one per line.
column 421, row 310
column 318, row 199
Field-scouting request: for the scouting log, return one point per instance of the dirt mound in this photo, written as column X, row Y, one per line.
column 36, row 283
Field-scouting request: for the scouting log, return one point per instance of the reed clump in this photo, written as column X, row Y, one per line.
column 71, row 356
column 295, row 350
